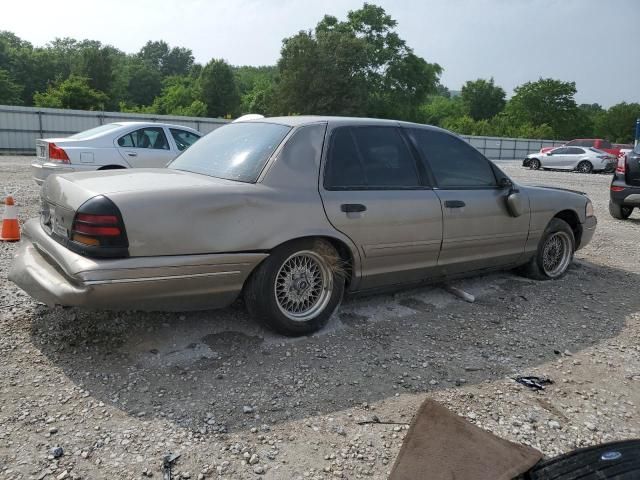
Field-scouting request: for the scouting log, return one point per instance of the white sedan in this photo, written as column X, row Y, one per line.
column 581, row 159
column 111, row 146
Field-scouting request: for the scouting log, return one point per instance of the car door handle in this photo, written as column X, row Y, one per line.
column 454, row 204
column 352, row 207
column 132, row 154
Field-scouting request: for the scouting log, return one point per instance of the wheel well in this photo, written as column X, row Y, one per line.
column 341, row 247
column 111, row 167
column 573, row 220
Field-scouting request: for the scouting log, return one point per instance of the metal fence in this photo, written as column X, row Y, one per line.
column 21, row 126
column 497, row 148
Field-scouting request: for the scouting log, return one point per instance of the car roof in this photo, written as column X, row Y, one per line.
column 295, row 121
column 151, row 124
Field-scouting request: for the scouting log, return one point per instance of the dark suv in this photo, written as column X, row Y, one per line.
column 625, row 186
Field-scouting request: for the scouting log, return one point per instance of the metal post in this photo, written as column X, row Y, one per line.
column 637, row 132
column 40, row 124
column 198, row 125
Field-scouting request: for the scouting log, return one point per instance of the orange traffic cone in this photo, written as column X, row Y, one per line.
column 10, row 225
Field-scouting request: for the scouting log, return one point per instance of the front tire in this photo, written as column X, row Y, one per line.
column 534, row 164
column 555, row 252
column 297, row 288
column 584, row 167
column 618, row 211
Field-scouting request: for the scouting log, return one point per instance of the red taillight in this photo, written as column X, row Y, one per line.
column 621, row 167
column 98, row 230
column 616, row 189
column 57, row 154
column 97, row 225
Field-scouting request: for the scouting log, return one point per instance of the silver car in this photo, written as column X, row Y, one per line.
column 291, row 213
column 112, row 146
column 581, row 159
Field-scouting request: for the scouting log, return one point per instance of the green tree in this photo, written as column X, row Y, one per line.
column 167, row 61
column 546, row 101
column 618, row 122
column 438, row 109
column 9, row 90
column 74, row 92
column 180, row 96
column 144, row 84
column 482, row 98
column 218, row 89
column 359, row 66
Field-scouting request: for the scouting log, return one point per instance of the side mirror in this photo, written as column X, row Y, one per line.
column 505, row 182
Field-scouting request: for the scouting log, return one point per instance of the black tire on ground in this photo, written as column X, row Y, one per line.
column 534, row 164
column 619, row 212
column 557, row 231
column 274, row 283
column 585, row 166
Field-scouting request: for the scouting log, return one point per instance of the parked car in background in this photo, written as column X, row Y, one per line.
column 625, row 148
column 599, row 143
column 625, row 185
column 292, row 212
column 112, row 146
column 581, row 159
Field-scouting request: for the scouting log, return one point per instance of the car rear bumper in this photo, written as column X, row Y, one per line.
column 629, row 196
column 41, row 170
column 189, row 282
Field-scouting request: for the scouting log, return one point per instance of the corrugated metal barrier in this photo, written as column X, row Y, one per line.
column 21, row 126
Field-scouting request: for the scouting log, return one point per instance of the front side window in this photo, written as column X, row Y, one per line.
column 454, row 162
column 150, row 137
column 183, row 138
column 371, row 158
column 237, row 151
column 559, row 151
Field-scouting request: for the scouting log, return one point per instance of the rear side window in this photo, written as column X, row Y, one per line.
column 369, row 158
column 150, row 137
column 183, row 138
column 453, row 161
column 575, row 151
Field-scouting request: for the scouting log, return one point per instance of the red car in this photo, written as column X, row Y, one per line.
column 599, row 143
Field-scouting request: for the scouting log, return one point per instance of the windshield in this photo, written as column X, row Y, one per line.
column 92, row 132
column 237, row 151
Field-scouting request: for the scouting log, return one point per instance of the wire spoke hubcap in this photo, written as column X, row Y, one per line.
column 556, row 254
column 303, row 286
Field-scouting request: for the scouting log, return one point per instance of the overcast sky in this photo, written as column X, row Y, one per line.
column 595, row 43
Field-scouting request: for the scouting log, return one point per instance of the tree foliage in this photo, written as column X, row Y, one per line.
column 482, row 98
column 357, row 65
column 74, row 92
column 218, row 89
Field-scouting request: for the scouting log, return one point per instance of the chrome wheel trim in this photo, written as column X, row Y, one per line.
column 585, row 167
column 556, row 254
column 303, row 286
column 535, row 164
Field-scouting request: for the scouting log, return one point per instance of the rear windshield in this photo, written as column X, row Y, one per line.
column 92, row 132
column 237, row 151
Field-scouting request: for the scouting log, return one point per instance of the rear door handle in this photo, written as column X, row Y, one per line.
column 352, row 207
column 454, row 203
column 132, row 154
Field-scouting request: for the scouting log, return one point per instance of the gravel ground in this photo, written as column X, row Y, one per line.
column 117, row 391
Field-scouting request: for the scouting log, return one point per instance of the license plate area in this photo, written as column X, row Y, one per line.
column 55, row 220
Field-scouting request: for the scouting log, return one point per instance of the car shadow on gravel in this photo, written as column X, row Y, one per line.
column 217, row 371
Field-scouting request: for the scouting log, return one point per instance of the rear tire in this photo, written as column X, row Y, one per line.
column 618, row 211
column 555, row 252
column 585, row 166
column 534, row 164
column 297, row 288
